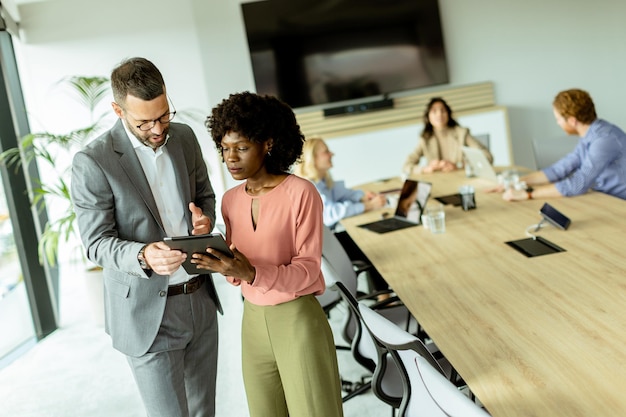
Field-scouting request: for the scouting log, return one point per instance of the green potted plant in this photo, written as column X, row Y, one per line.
column 53, row 154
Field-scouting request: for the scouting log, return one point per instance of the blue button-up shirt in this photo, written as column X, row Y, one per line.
column 339, row 202
column 598, row 162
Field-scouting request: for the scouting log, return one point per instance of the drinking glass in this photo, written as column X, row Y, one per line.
column 436, row 218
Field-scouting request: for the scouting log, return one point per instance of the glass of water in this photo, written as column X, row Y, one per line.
column 436, row 218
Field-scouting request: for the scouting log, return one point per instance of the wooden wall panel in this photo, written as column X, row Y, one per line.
column 408, row 109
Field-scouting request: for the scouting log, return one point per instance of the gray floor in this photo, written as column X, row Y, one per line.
column 76, row 372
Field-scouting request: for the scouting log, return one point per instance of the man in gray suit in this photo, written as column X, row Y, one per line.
column 140, row 181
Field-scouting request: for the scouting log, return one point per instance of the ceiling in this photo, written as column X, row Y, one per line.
column 12, row 7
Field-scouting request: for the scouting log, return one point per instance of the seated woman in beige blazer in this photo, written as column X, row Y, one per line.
column 441, row 142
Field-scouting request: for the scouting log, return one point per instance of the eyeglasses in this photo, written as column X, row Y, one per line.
column 166, row 118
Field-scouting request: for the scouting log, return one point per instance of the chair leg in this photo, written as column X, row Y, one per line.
column 354, row 388
column 471, row 395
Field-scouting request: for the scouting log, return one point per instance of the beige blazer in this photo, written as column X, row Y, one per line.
column 432, row 149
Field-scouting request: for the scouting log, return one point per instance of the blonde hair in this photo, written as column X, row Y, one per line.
column 306, row 167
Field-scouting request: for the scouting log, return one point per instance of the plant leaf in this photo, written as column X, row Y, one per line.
column 11, row 157
column 90, row 90
column 46, row 147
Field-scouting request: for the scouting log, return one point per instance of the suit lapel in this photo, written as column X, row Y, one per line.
column 132, row 167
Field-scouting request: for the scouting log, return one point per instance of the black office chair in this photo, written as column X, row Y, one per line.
column 337, row 269
column 426, row 387
column 364, row 349
column 337, row 266
column 361, row 264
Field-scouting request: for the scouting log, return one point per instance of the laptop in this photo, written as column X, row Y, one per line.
column 479, row 163
column 411, row 204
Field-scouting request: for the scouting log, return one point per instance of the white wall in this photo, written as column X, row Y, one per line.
column 390, row 147
column 529, row 49
column 56, row 43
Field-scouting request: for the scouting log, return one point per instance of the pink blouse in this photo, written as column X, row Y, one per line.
column 285, row 248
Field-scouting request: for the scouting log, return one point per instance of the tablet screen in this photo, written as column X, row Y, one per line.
column 198, row 244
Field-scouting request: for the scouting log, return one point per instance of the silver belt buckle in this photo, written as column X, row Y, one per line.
column 185, row 287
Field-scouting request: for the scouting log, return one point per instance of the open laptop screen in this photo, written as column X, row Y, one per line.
column 407, row 199
column 412, row 200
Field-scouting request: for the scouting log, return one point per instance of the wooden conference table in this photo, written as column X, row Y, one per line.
column 540, row 336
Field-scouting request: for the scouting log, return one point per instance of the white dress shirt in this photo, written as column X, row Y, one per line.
column 159, row 170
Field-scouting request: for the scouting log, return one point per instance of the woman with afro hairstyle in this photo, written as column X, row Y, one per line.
column 274, row 228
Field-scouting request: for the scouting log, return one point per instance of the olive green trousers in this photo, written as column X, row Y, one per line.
column 289, row 360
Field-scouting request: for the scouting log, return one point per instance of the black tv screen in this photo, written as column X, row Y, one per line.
column 313, row 52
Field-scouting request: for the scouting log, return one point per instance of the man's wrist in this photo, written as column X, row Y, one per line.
column 141, row 258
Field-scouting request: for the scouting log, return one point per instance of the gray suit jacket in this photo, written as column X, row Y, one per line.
column 117, row 215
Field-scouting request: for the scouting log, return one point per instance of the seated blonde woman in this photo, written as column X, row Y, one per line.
column 339, row 201
column 441, row 142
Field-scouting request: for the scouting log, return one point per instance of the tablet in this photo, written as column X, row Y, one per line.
column 555, row 217
column 198, row 244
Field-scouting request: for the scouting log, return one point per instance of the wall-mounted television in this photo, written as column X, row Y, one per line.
column 315, row 52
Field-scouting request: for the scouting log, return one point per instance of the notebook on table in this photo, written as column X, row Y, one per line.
column 479, row 163
column 413, row 198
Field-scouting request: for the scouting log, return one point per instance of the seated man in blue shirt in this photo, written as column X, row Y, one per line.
column 597, row 163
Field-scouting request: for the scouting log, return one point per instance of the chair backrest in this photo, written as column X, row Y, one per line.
column 367, row 352
column 548, row 151
column 362, row 345
column 432, row 395
column 329, row 298
column 393, row 337
column 340, row 276
column 337, row 265
column 407, row 351
column 484, row 139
